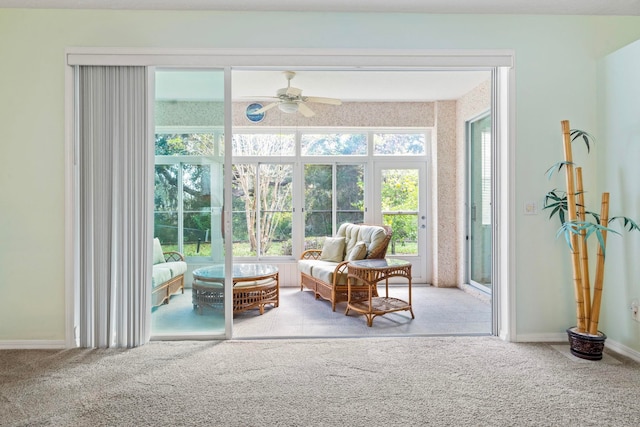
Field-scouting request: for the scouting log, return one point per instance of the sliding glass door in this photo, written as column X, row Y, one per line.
column 479, row 214
column 188, row 197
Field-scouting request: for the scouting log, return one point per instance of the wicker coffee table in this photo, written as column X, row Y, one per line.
column 370, row 272
column 254, row 286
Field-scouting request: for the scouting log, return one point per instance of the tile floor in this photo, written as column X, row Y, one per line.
column 438, row 311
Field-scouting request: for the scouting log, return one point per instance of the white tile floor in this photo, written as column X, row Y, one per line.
column 438, row 311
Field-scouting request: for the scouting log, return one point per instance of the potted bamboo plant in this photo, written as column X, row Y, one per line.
column 577, row 224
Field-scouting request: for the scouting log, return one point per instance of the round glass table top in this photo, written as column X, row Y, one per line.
column 240, row 271
column 379, row 263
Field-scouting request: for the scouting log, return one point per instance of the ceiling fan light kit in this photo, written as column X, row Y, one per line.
column 288, row 107
column 290, row 100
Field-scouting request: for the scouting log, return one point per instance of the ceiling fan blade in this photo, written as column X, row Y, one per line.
column 293, row 91
column 304, row 110
column 258, row 97
column 265, row 108
column 321, row 100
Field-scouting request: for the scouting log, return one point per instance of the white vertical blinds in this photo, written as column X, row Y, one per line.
column 114, row 194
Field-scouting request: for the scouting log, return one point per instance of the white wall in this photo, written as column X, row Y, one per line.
column 618, row 154
column 556, row 78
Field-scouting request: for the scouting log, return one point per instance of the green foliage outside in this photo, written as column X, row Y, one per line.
column 196, row 183
column 400, row 193
column 243, row 249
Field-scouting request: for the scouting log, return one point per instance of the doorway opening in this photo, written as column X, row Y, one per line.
column 498, row 63
column 355, row 162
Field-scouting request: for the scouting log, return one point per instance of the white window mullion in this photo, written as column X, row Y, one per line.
column 258, row 198
column 180, row 185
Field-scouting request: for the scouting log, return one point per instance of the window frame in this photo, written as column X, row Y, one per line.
column 182, row 159
column 299, row 161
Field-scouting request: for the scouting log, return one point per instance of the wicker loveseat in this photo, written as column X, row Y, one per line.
column 324, row 271
column 168, row 274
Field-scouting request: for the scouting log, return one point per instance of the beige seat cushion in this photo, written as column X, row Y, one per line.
column 177, row 267
column 323, row 270
column 305, row 266
column 252, row 283
column 166, row 271
column 161, row 274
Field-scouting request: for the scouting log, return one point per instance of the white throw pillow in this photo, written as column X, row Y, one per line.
column 333, row 249
column 158, row 256
column 358, row 252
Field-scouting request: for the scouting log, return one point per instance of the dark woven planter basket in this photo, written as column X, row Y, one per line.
column 586, row 346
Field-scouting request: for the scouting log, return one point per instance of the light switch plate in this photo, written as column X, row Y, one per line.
column 531, row 207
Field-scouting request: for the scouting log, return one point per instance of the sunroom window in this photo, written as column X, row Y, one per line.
column 262, row 209
column 334, row 194
column 399, row 144
column 262, row 193
column 333, row 144
column 274, row 171
column 188, row 167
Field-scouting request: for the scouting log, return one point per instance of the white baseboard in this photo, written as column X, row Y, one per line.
column 622, row 349
column 32, row 345
column 550, row 337
column 562, row 337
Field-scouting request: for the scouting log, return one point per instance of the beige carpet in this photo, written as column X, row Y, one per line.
column 413, row 381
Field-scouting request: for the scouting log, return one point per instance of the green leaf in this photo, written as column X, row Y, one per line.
column 576, row 227
column 586, row 137
column 596, row 217
column 556, row 201
column 557, row 166
column 567, row 229
column 627, row 222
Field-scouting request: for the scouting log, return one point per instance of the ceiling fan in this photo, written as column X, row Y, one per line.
column 290, row 99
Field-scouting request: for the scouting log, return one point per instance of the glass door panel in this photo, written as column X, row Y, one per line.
column 399, row 194
column 480, row 203
column 188, row 193
column 401, row 202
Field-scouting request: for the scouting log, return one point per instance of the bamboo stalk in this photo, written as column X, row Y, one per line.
column 584, row 252
column 571, row 210
column 599, row 280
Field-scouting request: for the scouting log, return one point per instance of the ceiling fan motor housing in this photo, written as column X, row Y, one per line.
column 290, row 99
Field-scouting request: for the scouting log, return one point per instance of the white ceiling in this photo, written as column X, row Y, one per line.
column 251, row 85
column 549, row 7
column 362, row 85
